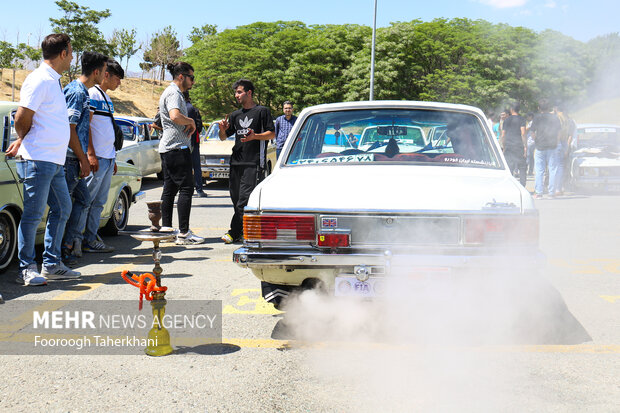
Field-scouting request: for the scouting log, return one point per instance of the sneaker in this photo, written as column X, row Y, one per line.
column 227, row 238
column 97, row 246
column 537, row 196
column 166, row 229
column 59, row 272
column 77, row 247
column 30, row 276
column 200, row 193
column 189, row 238
column 68, row 258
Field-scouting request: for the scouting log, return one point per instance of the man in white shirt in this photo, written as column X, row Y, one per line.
column 42, row 128
column 102, row 132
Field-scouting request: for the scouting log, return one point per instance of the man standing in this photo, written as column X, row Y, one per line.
column 283, row 126
column 514, row 143
column 193, row 113
column 41, row 147
column 253, row 127
column 174, row 148
column 102, row 149
column 546, row 132
column 78, row 165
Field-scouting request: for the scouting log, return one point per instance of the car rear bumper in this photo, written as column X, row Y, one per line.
column 387, row 259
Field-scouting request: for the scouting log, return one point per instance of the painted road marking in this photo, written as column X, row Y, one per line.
column 590, row 266
column 57, row 302
column 611, row 298
column 250, row 302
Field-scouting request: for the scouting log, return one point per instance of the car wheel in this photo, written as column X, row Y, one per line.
column 8, row 239
column 120, row 215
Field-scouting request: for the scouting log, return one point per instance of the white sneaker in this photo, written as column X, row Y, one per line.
column 166, row 229
column 30, row 276
column 59, row 272
column 77, row 248
column 189, row 238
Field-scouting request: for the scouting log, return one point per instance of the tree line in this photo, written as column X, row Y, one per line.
column 449, row 60
column 458, row 60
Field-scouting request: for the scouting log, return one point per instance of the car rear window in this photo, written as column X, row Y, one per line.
column 393, row 135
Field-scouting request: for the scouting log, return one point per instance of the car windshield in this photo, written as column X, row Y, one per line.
column 393, row 135
column 213, row 133
column 598, row 137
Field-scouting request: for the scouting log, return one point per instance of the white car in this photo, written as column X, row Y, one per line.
column 348, row 219
column 141, row 144
column 595, row 157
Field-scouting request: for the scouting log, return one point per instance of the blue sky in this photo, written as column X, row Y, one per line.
column 581, row 19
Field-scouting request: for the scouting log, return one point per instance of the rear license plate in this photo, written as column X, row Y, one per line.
column 349, row 286
column 218, row 174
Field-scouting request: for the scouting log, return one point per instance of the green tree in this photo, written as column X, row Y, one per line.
column 164, row 48
column 126, row 44
column 80, row 23
column 199, row 33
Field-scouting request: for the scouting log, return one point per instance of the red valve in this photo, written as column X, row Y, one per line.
column 147, row 284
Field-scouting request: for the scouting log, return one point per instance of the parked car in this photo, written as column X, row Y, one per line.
column 124, row 189
column 215, row 155
column 141, row 144
column 348, row 220
column 595, row 157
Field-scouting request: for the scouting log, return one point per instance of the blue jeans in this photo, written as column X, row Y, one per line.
column 560, row 157
column 98, row 184
column 81, row 201
column 44, row 184
column 543, row 159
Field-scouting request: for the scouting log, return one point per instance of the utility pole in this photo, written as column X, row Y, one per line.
column 372, row 56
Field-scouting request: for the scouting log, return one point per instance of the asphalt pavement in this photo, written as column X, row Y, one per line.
column 311, row 360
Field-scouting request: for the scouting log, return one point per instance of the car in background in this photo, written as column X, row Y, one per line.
column 215, row 155
column 375, row 138
column 594, row 158
column 349, row 220
column 140, row 145
column 124, row 190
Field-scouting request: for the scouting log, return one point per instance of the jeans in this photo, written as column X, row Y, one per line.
column 278, row 152
column 81, row 201
column 543, row 159
column 98, row 184
column 44, row 184
column 560, row 154
column 177, row 168
column 196, row 166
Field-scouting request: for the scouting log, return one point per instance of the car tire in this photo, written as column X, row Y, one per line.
column 8, row 239
column 120, row 215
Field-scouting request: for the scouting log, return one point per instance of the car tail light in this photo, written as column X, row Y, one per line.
column 334, row 240
column 521, row 230
column 279, row 227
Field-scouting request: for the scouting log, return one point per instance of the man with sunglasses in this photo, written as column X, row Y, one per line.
column 175, row 151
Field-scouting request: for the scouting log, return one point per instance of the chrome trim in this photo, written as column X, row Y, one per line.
column 527, row 258
column 416, row 212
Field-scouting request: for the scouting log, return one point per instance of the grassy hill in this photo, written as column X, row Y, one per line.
column 134, row 97
column 604, row 111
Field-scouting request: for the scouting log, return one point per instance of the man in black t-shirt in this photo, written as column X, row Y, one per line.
column 514, row 143
column 253, row 128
